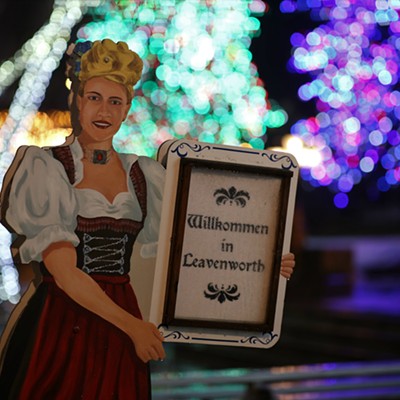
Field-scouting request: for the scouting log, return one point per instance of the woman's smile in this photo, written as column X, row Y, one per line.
column 101, row 124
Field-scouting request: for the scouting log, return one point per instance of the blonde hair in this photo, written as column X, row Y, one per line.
column 113, row 61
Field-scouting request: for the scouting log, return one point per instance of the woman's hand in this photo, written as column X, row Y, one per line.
column 287, row 265
column 147, row 340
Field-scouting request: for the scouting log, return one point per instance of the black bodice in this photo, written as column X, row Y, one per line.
column 105, row 252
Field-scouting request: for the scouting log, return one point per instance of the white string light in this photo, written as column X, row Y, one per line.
column 34, row 63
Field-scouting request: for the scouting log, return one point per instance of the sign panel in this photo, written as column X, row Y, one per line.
column 224, row 227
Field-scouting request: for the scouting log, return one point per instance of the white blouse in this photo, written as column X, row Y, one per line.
column 43, row 205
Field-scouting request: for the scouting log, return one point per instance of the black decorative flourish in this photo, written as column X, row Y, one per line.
column 231, row 196
column 175, row 334
column 287, row 161
column 213, row 292
column 182, row 149
column 268, row 338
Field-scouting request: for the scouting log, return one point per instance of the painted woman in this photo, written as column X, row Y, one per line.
column 80, row 208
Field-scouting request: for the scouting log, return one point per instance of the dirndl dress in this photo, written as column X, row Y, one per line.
column 58, row 349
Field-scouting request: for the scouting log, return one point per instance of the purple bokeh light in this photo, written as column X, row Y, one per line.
column 353, row 60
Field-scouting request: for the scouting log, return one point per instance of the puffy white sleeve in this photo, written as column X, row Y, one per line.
column 41, row 204
column 155, row 177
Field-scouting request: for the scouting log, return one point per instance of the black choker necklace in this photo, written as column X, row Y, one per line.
column 97, row 156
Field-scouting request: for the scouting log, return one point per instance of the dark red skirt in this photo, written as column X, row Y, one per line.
column 77, row 355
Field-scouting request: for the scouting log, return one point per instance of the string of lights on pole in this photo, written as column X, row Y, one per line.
column 34, row 64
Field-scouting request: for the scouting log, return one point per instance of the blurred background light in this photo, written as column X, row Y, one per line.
column 352, row 59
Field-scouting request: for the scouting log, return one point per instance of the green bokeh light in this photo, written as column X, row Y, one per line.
column 199, row 81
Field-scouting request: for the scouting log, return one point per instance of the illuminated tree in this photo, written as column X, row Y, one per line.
column 353, row 60
column 199, row 81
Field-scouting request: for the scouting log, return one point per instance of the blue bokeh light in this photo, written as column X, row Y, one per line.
column 353, row 61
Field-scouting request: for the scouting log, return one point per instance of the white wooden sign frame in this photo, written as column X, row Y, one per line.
column 190, row 163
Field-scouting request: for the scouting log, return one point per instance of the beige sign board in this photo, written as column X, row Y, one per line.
column 226, row 221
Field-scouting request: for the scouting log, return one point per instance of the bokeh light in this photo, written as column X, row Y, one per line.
column 199, row 80
column 352, row 58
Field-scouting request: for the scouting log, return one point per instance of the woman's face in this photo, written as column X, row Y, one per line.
column 102, row 108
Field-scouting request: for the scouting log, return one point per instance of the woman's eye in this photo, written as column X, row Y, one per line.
column 93, row 97
column 116, row 102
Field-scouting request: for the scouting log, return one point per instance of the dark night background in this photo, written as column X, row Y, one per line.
column 369, row 211
column 342, row 301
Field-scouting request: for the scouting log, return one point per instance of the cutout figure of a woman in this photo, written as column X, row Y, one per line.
column 79, row 208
